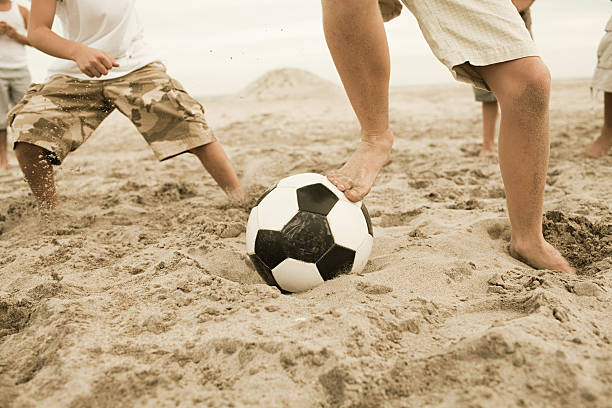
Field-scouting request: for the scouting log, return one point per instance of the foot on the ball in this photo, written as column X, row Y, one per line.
column 540, row 255
column 357, row 176
column 599, row 147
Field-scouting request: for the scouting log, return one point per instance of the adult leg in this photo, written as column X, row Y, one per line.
column 601, row 146
column 358, row 45
column 489, row 126
column 215, row 161
column 522, row 88
column 3, row 150
column 38, row 172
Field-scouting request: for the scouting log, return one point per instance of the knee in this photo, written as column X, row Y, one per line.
column 27, row 153
column 531, row 87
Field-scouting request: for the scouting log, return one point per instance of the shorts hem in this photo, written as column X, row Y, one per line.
column 185, row 146
column 481, row 59
column 602, row 80
column 55, row 158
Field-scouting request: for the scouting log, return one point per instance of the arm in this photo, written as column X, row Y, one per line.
column 25, row 14
column 522, row 5
column 92, row 62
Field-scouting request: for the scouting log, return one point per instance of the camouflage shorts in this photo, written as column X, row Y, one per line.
column 62, row 113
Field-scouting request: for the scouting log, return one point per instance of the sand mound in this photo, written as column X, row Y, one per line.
column 288, row 83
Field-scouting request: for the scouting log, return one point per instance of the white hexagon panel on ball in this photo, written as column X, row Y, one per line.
column 348, row 225
column 251, row 230
column 277, row 208
column 362, row 254
column 297, row 276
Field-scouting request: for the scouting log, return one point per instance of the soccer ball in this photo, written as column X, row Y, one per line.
column 304, row 231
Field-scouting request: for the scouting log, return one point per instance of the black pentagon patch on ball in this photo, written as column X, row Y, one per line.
column 307, row 237
column 366, row 215
column 337, row 261
column 263, row 271
column 268, row 191
column 316, row 198
column 269, row 248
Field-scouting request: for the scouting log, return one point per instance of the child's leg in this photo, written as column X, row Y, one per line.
column 489, row 127
column 3, row 150
column 171, row 121
column 38, row 173
column 603, row 143
column 217, row 163
column 522, row 87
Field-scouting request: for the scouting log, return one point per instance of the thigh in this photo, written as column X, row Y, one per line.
column 467, row 33
column 169, row 119
column 510, row 76
column 19, row 86
column 58, row 115
column 4, row 103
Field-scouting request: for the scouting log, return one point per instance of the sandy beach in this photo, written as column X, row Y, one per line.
column 140, row 292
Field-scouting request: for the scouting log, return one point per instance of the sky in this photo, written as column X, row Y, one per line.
column 216, row 47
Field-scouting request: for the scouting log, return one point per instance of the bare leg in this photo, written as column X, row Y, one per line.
column 38, row 173
column 3, row 150
column 358, row 44
column 601, row 146
column 489, row 126
column 217, row 163
column 523, row 90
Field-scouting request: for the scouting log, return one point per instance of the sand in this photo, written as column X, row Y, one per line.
column 140, row 294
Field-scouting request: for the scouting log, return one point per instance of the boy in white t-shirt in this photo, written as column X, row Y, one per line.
column 14, row 74
column 104, row 64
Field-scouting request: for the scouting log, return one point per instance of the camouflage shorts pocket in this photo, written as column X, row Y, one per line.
column 190, row 108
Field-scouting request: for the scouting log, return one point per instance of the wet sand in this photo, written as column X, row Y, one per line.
column 140, row 293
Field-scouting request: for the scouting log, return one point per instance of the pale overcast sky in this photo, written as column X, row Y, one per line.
column 218, row 47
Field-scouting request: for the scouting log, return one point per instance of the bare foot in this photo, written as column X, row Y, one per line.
column 540, row 255
column 599, row 147
column 237, row 196
column 357, row 176
column 487, row 151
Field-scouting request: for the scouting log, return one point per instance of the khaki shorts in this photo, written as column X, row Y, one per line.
column 602, row 79
column 482, row 95
column 13, row 85
column 467, row 33
column 62, row 113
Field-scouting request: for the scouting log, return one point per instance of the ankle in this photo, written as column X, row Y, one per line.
column 528, row 241
column 376, row 137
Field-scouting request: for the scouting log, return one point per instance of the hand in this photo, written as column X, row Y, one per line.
column 10, row 32
column 92, row 62
column 3, row 27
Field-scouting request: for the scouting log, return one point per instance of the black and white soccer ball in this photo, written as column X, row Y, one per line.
column 304, row 231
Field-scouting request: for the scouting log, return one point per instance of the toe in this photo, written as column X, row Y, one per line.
column 340, row 181
column 355, row 194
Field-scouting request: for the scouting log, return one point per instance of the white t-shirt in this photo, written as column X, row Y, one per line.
column 111, row 26
column 12, row 53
